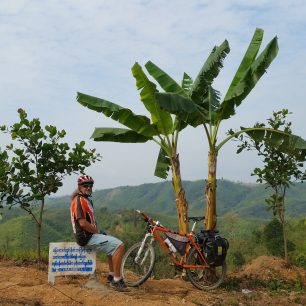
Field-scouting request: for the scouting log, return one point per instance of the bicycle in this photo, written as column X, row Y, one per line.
column 138, row 261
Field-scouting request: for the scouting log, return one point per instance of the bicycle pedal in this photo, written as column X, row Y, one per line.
column 179, row 267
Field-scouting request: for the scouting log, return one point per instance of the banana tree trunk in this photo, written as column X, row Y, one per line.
column 180, row 199
column 210, row 192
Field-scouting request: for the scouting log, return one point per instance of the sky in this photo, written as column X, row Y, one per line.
column 50, row 50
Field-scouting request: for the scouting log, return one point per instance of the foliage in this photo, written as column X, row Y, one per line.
column 283, row 163
column 238, row 259
column 272, row 239
column 245, row 235
column 203, row 105
column 39, row 162
column 244, row 201
column 271, row 284
column 300, row 260
column 160, row 128
column 4, row 172
column 281, row 285
column 244, row 232
column 22, row 257
column 195, row 103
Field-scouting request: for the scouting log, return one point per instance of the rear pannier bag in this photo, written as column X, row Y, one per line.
column 178, row 241
column 213, row 246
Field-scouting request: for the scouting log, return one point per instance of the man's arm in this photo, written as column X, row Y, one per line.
column 88, row 227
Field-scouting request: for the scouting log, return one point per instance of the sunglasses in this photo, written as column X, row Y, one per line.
column 87, row 185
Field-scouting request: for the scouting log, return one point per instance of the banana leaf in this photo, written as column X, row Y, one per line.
column 187, row 83
column 164, row 80
column 183, row 107
column 139, row 124
column 118, row 135
column 247, row 60
column 162, row 165
column 209, row 72
column 276, row 138
column 248, row 81
column 160, row 117
column 213, row 100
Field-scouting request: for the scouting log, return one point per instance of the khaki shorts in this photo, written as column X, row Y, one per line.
column 103, row 243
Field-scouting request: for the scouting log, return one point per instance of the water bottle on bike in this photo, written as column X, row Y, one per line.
column 170, row 246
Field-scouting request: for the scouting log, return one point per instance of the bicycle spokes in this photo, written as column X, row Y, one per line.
column 204, row 278
column 137, row 264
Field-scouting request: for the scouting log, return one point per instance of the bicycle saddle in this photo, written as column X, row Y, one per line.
column 196, row 218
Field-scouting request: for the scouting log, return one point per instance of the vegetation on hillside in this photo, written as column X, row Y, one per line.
column 248, row 238
column 244, row 200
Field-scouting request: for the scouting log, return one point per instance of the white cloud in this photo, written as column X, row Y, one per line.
column 52, row 49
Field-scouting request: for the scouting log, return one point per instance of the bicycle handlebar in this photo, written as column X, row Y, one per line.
column 143, row 215
column 151, row 221
column 147, row 218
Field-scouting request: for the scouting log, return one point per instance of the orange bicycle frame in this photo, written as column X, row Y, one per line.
column 181, row 262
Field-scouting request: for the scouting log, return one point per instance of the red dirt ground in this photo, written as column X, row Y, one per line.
column 27, row 285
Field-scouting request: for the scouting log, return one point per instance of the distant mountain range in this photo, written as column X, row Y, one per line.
column 245, row 200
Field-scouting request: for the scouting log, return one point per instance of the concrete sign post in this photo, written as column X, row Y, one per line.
column 68, row 258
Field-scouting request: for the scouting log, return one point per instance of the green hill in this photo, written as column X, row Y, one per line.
column 244, row 203
column 246, row 200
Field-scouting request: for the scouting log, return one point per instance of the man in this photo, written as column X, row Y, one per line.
column 87, row 233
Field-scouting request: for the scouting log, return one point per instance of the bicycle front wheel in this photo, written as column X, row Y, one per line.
column 207, row 278
column 137, row 268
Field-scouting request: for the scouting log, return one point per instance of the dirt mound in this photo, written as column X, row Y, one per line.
column 269, row 267
column 27, row 285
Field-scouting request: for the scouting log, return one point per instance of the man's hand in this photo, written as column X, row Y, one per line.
column 88, row 227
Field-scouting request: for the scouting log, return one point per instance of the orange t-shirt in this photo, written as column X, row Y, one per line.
column 81, row 208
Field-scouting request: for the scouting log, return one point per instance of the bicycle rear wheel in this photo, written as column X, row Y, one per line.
column 136, row 271
column 207, row 278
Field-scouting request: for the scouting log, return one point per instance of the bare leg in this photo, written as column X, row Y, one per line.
column 116, row 260
column 110, row 263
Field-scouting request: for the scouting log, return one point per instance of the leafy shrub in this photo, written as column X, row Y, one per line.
column 273, row 239
column 238, row 259
column 300, row 260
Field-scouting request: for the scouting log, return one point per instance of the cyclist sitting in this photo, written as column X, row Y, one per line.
column 87, row 233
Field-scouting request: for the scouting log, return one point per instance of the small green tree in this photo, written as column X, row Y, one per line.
column 283, row 164
column 272, row 238
column 38, row 164
column 238, row 259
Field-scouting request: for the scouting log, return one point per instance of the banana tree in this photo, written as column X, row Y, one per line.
column 162, row 128
column 203, row 105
